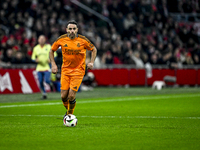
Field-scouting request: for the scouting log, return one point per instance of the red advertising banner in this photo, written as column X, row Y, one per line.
column 137, row 77
column 18, row 81
column 26, row 81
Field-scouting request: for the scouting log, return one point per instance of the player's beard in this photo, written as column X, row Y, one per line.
column 72, row 35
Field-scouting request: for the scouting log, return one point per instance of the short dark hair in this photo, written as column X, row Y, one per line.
column 72, row 22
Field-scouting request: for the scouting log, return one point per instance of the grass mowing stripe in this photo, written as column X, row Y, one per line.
column 126, row 117
column 107, row 100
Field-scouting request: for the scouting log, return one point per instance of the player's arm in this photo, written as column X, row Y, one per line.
column 33, row 56
column 54, row 67
column 93, row 56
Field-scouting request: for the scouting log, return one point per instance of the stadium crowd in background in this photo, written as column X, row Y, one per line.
column 143, row 30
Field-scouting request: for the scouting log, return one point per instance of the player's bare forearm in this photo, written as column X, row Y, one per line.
column 54, row 67
column 93, row 56
column 51, row 56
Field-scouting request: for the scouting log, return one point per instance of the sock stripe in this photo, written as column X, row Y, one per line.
column 65, row 100
column 72, row 102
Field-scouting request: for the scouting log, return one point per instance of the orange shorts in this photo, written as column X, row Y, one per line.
column 72, row 82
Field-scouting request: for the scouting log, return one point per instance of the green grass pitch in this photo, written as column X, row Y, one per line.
column 108, row 119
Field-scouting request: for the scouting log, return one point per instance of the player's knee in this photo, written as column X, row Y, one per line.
column 71, row 97
column 63, row 96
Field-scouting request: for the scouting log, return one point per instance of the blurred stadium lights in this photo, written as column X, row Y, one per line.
column 92, row 12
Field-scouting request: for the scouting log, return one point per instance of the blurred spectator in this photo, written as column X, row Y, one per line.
column 107, row 58
column 143, row 27
column 188, row 59
column 129, row 21
column 154, row 59
column 183, row 34
column 18, row 59
column 3, row 46
column 11, row 41
column 196, row 59
column 8, row 57
column 175, row 61
column 135, row 56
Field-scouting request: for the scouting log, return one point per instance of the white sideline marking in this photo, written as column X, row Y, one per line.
column 106, row 100
column 123, row 117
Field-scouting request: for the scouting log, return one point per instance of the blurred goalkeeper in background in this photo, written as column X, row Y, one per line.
column 74, row 48
column 40, row 56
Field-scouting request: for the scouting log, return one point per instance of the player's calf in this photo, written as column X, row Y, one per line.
column 72, row 105
column 66, row 103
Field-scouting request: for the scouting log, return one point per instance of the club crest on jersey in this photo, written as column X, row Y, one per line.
column 65, row 45
column 78, row 45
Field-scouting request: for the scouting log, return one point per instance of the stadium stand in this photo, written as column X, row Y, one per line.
column 158, row 32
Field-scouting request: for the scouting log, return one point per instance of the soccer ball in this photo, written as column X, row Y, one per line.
column 70, row 120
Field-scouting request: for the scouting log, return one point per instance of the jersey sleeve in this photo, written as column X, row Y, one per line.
column 55, row 46
column 88, row 45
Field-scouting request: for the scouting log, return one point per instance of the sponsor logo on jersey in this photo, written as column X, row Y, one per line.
column 71, row 52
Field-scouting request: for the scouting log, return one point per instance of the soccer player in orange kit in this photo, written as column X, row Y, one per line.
column 74, row 48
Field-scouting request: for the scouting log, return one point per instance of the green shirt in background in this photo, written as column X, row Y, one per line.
column 42, row 53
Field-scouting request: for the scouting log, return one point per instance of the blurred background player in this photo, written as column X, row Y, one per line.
column 40, row 55
column 73, row 68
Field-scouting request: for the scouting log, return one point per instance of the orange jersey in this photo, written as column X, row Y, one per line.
column 73, row 53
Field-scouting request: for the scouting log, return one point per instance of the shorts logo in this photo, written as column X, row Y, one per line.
column 78, row 45
column 65, row 45
column 75, row 87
